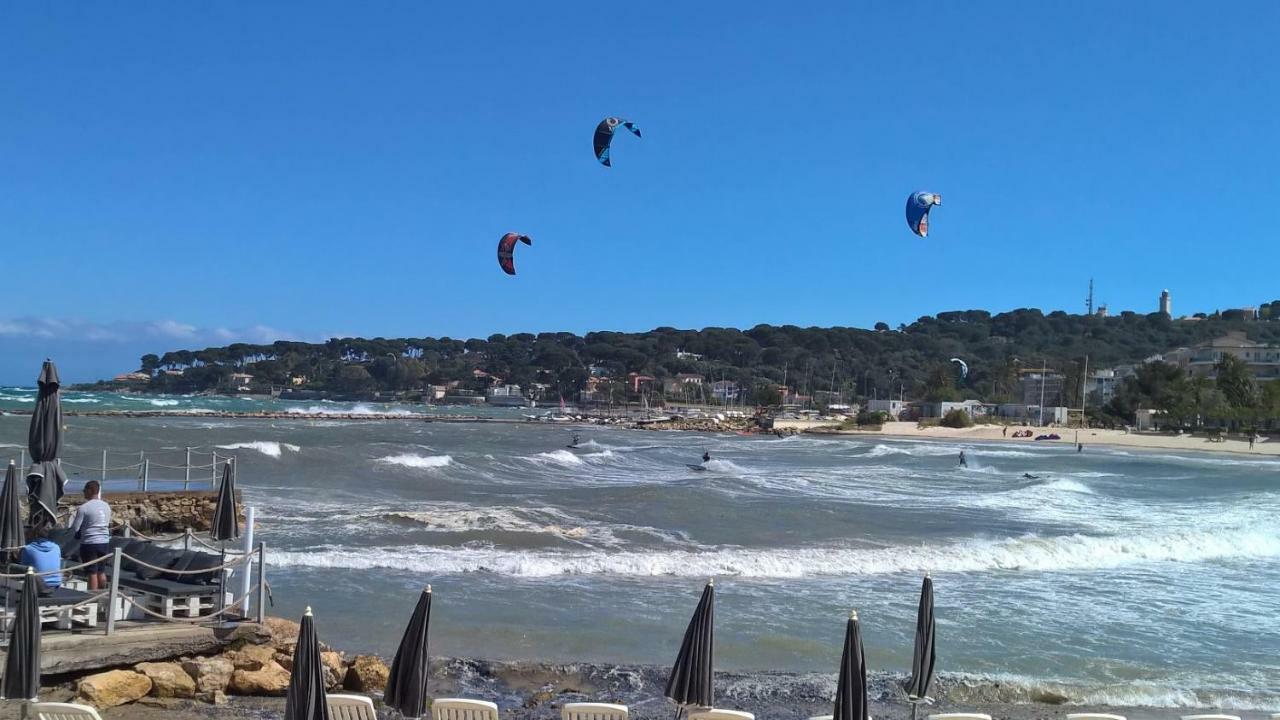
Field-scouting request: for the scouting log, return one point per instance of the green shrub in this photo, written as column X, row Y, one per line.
column 956, row 418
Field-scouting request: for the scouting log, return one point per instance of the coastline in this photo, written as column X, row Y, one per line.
column 1088, row 436
column 532, row 690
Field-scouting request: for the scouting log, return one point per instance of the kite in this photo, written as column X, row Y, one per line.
column 964, row 367
column 604, row 136
column 507, row 249
column 918, row 205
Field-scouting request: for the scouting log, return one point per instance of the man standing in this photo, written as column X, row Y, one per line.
column 93, row 525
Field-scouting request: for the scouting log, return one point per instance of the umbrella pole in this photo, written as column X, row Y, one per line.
column 913, row 710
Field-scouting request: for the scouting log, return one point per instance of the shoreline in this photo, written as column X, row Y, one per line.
column 1088, row 437
column 903, row 430
column 533, row 690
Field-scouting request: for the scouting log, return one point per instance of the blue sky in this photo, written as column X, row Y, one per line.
column 197, row 172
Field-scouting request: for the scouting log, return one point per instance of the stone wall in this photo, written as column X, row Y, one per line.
column 160, row 511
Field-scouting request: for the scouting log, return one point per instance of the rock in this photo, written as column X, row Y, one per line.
column 252, row 657
column 1048, row 697
column 286, row 661
column 367, row 674
column 538, row 698
column 217, row 697
column 168, row 680
column 109, row 689
column 210, row 674
column 283, row 633
column 164, row 703
column 270, row 680
column 335, row 670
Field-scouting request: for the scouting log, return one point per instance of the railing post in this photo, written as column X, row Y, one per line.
column 186, row 480
column 146, row 473
column 246, row 573
column 128, row 530
column 262, row 582
column 213, row 474
column 115, row 591
column 186, row 539
column 104, row 467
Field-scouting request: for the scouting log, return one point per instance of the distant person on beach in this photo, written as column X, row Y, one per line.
column 43, row 555
column 1251, row 439
column 963, row 463
column 1004, row 431
column 92, row 524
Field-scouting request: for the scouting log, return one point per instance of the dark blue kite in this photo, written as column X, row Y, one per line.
column 918, row 205
column 604, row 136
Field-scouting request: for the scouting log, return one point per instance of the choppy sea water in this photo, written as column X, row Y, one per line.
column 1126, row 577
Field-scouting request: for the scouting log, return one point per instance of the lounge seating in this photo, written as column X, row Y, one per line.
column 1211, row 716
column 350, row 707
column 718, row 714
column 463, row 709
column 171, row 594
column 594, row 711
column 960, row 716
column 1094, row 716
column 60, row 607
column 63, row 711
column 822, row 717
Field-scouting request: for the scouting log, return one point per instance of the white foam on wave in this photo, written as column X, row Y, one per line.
column 446, row 518
column 163, row 403
column 1068, row 485
column 270, row 448
column 556, row 457
column 1030, row 554
column 1174, row 692
column 413, row 460
column 723, row 466
column 76, row 401
column 357, row 409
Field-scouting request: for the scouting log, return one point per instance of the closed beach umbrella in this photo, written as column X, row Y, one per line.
column 226, row 516
column 12, row 534
column 851, row 686
column 923, row 658
column 22, row 665
column 407, row 684
column 690, row 683
column 305, row 698
column 45, row 480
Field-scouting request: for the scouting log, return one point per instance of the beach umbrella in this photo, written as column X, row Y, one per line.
column 226, row 516
column 46, row 479
column 851, row 685
column 690, row 683
column 407, row 684
column 923, row 658
column 305, row 698
column 21, row 679
column 12, row 534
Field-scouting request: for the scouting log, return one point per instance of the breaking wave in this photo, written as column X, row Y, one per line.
column 270, row 448
column 411, row 460
column 1030, row 553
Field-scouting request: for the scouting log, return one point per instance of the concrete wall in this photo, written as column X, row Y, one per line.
column 159, row 511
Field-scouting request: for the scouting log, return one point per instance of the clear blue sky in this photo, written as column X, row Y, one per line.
column 194, row 172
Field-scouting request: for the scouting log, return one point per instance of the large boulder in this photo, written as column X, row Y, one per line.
column 270, row 680
column 211, row 675
column 168, row 680
column 251, row 657
column 112, row 688
column 335, row 669
column 367, row 674
column 283, row 633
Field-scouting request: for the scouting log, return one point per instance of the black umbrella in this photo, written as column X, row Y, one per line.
column 851, row 686
column 226, row 516
column 12, row 534
column 305, row 699
column 407, row 685
column 690, row 683
column 46, row 479
column 923, row 658
column 22, row 665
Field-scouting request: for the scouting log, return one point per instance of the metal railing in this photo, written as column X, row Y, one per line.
column 192, row 463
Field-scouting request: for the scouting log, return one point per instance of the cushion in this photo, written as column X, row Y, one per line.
column 203, row 561
column 164, row 558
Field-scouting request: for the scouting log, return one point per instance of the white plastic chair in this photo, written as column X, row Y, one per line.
column 63, row 711
column 1094, row 716
column 1211, row 716
column 823, row 717
column 718, row 714
column 594, row 711
column 350, row 707
column 463, row 709
column 960, row 716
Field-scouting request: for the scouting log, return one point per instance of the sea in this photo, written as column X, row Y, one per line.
column 1114, row 576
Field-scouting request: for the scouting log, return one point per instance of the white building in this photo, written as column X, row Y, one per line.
column 1166, row 304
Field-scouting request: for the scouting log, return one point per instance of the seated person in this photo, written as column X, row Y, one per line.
column 43, row 555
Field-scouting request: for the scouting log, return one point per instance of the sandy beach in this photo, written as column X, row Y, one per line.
column 1087, row 437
